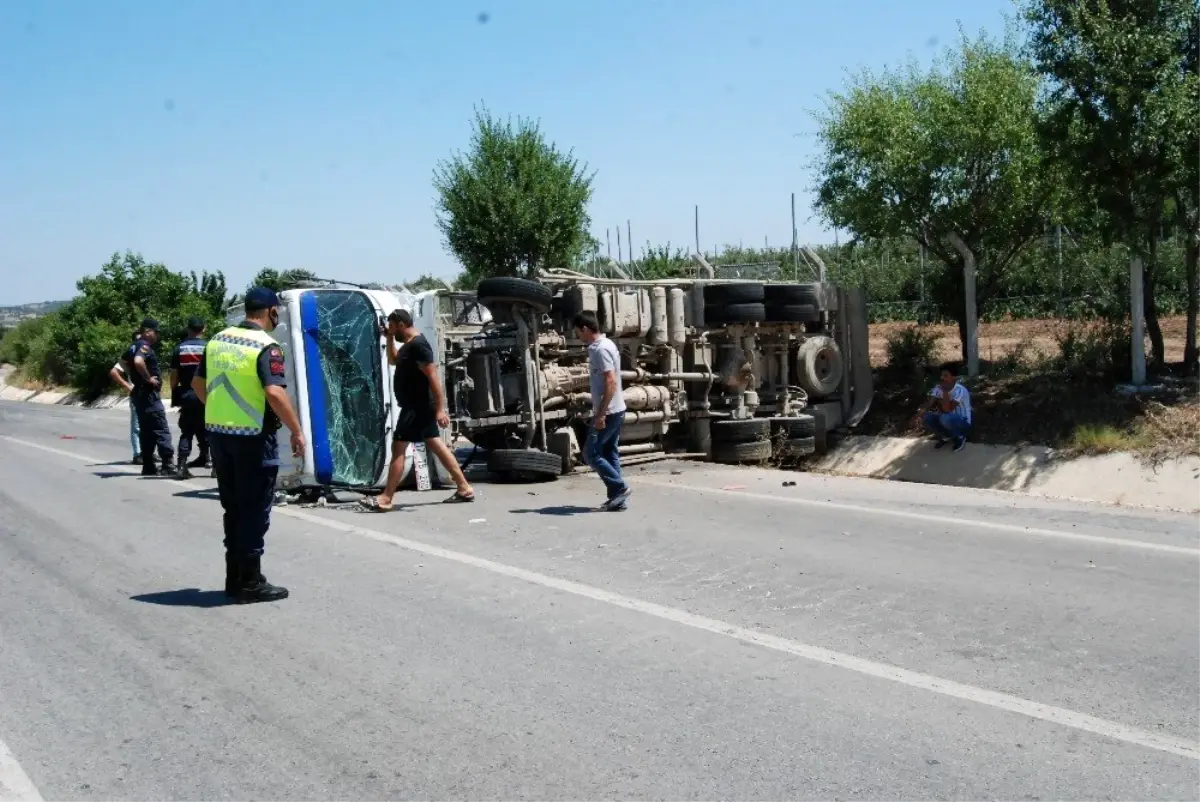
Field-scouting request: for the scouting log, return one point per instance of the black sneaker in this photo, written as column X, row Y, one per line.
column 960, row 443
column 137, row 460
column 183, row 474
column 940, row 443
column 198, row 462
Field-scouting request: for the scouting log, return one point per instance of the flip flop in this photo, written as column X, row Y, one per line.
column 371, row 504
column 459, row 498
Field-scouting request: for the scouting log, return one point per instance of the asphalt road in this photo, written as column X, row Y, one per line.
column 727, row 637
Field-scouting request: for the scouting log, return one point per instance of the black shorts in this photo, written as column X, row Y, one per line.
column 416, row 425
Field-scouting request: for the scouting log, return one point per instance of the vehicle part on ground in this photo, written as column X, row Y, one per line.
column 741, row 431
column 796, row 448
column 790, row 294
column 793, row 313
column 735, row 313
column 525, row 465
column 706, row 365
column 741, row 453
column 726, row 294
column 494, row 291
column 791, row 428
column 819, row 360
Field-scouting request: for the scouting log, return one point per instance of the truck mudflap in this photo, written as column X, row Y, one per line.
column 861, row 381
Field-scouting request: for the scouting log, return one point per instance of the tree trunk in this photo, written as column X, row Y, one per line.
column 1150, row 305
column 1191, row 256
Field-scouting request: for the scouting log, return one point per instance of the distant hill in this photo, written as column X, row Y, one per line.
column 12, row 315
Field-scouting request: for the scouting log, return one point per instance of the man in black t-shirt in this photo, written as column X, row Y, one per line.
column 422, row 404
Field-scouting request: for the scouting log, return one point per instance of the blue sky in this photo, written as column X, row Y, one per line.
column 225, row 135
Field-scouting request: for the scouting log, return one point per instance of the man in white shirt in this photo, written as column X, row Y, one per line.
column 119, row 373
column 948, row 414
column 608, row 410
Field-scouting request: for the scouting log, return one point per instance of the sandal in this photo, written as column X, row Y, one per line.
column 459, row 498
column 371, row 504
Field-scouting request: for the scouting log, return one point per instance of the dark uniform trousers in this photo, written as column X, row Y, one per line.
column 191, row 424
column 152, row 420
column 247, row 467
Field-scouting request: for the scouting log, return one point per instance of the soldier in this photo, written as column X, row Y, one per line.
column 147, row 401
column 241, row 383
column 184, row 362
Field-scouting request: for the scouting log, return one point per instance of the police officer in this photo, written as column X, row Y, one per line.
column 152, row 417
column 184, row 362
column 241, row 383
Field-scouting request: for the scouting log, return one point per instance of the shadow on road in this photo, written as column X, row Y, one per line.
column 120, row 474
column 208, row 493
column 567, row 509
column 186, row 597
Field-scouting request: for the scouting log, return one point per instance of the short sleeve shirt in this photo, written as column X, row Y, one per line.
column 603, row 356
column 961, row 397
column 271, row 372
column 410, row 383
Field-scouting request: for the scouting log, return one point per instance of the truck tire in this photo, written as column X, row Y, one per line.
column 787, row 294
column 735, row 313
column 791, row 428
column 736, row 453
column 751, row 292
column 820, row 366
column 793, row 313
column 525, row 464
column 753, row 430
column 796, row 447
column 506, row 290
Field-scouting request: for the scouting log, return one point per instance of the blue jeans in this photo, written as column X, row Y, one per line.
column 602, row 453
column 135, row 430
column 947, row 425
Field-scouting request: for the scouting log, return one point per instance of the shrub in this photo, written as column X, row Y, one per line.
column 912, row 349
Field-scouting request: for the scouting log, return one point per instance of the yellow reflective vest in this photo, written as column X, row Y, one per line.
column 237, row 400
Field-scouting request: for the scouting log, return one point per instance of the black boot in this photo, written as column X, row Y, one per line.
column 168, row 468
column 254, row 586
column 200, row 461
column 233, row 577
column 183, row 472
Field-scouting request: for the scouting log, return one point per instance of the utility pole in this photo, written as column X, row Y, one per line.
column 795, row 244
column 1137, row 311
column 618, row 243
column 697, row 228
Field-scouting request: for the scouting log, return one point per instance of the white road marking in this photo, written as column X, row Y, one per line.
column 1014, row 704
column 969, row 523
column 15, row 785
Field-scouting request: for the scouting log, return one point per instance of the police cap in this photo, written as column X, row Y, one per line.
column 261, row 298
column 149, row 324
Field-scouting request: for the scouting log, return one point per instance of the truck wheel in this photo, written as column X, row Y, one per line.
column 736, row 453
column 493, row 439
column 793, row 313
column 820, row 366
column 735, row 313
column 787, row 294
column 740, row 431
column 525, row 464
column 505, row 290
column 791, row 428
column 797, row 447
column 724, row 294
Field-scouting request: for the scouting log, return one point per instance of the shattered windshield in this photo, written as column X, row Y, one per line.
column 348, row 339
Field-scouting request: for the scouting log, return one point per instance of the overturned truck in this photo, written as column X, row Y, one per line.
column 733, row 371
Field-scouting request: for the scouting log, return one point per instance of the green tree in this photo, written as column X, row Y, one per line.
column 211, row 287
column 1124, row 94
column 280, row 280
column 93, row 329
column 425, row 281
column 513, row 203
column 930, row 154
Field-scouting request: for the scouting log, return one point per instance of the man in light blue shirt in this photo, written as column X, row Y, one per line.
column 608, row 410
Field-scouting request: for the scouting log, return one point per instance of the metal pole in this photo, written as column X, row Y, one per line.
column 1058, row 246
column 608, row 239
column 795, row 244
column 629, row 239
column 619, row 244
column 697, row 228
column 1138, row 314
